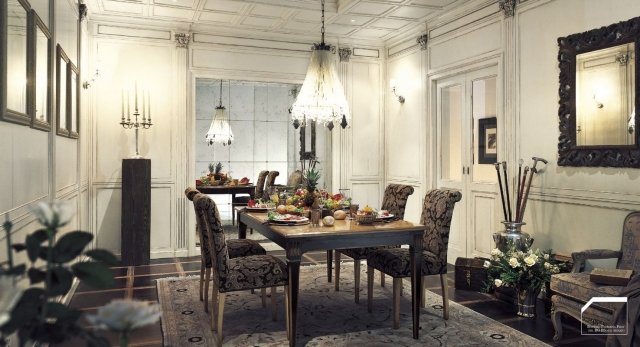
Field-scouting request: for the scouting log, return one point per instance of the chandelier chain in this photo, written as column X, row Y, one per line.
column 322, row 29
column 220, row 104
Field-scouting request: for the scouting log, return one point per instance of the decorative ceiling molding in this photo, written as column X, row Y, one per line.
column 345, row 54
column 508, row 7
column 422, row 41
column 182, row 40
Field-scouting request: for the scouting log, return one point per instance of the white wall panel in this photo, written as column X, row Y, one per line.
column 469, row 45
column 366, row 193
column 30, row 165
column 247, row 62
column 366, row 124
column 162, row 212
column 483, row 224
column 108, row 212
column 66, row 162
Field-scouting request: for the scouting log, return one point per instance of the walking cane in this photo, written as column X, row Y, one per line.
column 506, row 188
column 504, row 210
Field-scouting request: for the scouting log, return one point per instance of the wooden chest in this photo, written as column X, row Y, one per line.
column 470, row 274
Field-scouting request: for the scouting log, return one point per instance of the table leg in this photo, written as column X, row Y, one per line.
column 416, row 282
column 242, row 228
column 293, row 263
column 329, row 264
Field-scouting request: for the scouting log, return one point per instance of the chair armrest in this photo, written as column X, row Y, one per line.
column 579, row 258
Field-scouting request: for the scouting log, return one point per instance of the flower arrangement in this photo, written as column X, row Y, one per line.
column 521, row 270
column 125, row 315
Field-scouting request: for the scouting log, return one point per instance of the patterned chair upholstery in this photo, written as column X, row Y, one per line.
column 271, row 181
column 295, row 179
column 437, row 212
column 244, row 199
column 572, row 290
column 395, row 201
column 235, row 274
column 237, row 248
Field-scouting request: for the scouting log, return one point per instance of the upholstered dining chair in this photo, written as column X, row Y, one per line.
column 236, row 274
column 295, row 179
column 573, row 290
column 395, row 201
column 271, row 182
column 437, row 212
column 236, row 248
column 243, row 200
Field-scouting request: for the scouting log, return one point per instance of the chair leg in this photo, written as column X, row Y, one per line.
column 423, row 301
column 336, row 285
column 233, row 215
column 381, row 279
column 329, row 264
column 263, row 292
column 214, row 305
column 369, row 289
column 221, row 298
column 397, row 288
column 274, row 307
column 445, row 296
column 202, row 282
column 286, row 310
column 207, row 279
column 356, row 279
column 556, row 319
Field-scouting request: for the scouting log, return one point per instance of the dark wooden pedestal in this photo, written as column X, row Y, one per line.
column 135, row 243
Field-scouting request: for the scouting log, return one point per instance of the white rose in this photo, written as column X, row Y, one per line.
column 496, row 252
column 547, row 265
column 546, row 256
column 497, row 283
column 530, row 260
column 487, row 263
column 125, row 315
column 55, row 214
column 514, row 262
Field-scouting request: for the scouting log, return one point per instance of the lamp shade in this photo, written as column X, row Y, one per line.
column 321, row 97
column 220, row 130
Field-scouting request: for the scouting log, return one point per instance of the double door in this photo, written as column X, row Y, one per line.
column 467, row 147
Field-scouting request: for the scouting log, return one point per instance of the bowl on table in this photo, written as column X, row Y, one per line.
column 365, row 218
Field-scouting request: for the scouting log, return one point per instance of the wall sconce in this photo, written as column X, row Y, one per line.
column 400, row 97
column 87, row 84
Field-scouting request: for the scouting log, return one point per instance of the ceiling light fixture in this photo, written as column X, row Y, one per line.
column 220, row 130
column 321, row 98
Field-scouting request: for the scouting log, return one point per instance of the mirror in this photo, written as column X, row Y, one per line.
column 42, row 118
column 73, row 101
column 598, row 96
column 15, row 100
column 308, row 140
column 62, row 62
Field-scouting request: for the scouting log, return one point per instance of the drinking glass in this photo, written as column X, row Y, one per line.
column 353, row 209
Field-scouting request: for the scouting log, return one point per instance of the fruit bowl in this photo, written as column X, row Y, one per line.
column 365, row 218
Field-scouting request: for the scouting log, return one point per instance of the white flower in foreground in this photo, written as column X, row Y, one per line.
column 497, row 283
column 9, row 296
column 530, row 260
column 55, row 214
column 487, row 263
column 513, row 262
column 546, row 256
column 125, row 315
column 496, row 252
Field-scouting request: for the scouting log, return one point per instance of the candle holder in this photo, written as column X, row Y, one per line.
column 136, row 124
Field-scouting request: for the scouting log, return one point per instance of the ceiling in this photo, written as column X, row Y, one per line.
column 375, row 20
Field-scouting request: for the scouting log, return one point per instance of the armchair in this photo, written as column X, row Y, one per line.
column 572, row 290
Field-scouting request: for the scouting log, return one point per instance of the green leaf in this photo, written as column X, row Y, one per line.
column 61, row 280
column 17, row 270
column 104, row 256
column 36, row 276
column 62, row 312
column 34, row 242
column 70, row 245
column 94, row 274
column 19, row 247
column 26, row 310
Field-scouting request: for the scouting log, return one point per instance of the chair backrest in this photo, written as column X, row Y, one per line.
column 210, row 223
column 262, row 177
column 271, row 180
column 436, row 217
column 205, row 254
column 395, row 199
column 630, row 259
column 295, row 179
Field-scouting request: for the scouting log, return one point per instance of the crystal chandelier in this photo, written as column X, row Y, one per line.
column 220, row 130
column 321, row 97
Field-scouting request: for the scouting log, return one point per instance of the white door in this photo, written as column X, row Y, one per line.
column 467, row 147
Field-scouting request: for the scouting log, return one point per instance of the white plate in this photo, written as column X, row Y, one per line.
column 302, row 220
column 259, row 209
column 385, row 217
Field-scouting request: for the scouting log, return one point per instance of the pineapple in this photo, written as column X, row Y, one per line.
column 211, row 169
column 218, row 168
column 311, row 178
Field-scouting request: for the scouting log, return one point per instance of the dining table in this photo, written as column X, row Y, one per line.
column 228, row 189
column 296, row 239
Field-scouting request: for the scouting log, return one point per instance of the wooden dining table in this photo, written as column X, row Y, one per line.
column 298, row 239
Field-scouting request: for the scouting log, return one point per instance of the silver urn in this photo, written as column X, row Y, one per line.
column 512, row 237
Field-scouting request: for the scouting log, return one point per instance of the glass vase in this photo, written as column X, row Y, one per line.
column 526, row 301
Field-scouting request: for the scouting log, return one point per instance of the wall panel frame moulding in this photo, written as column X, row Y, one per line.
column 252, row 43
column 133, row 32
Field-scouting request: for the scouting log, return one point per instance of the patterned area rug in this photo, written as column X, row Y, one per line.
column 326, row 318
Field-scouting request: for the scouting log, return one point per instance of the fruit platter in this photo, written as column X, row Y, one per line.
column 366, row 215
column 384, row 215
column 286, row 219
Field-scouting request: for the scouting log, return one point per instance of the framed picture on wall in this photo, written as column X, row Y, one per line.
column 41, row 118
column 62, row 92
column 487, row 141
column 72, row 114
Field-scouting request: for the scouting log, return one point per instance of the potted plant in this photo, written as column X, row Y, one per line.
column 526, row 272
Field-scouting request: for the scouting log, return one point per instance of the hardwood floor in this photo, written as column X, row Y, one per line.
column 138, row 283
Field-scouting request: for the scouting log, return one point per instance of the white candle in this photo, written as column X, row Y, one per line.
column 122, row 104
column 128, row 107
column 149, row 106
column 143, row 107
column 136, row 96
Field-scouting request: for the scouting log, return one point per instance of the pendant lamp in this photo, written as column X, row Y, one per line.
column 220, row 130
column 321, row 97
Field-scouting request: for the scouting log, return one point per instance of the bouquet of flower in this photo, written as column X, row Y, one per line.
column 524, row 270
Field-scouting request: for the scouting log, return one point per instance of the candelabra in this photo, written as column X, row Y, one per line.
column 137, row 125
